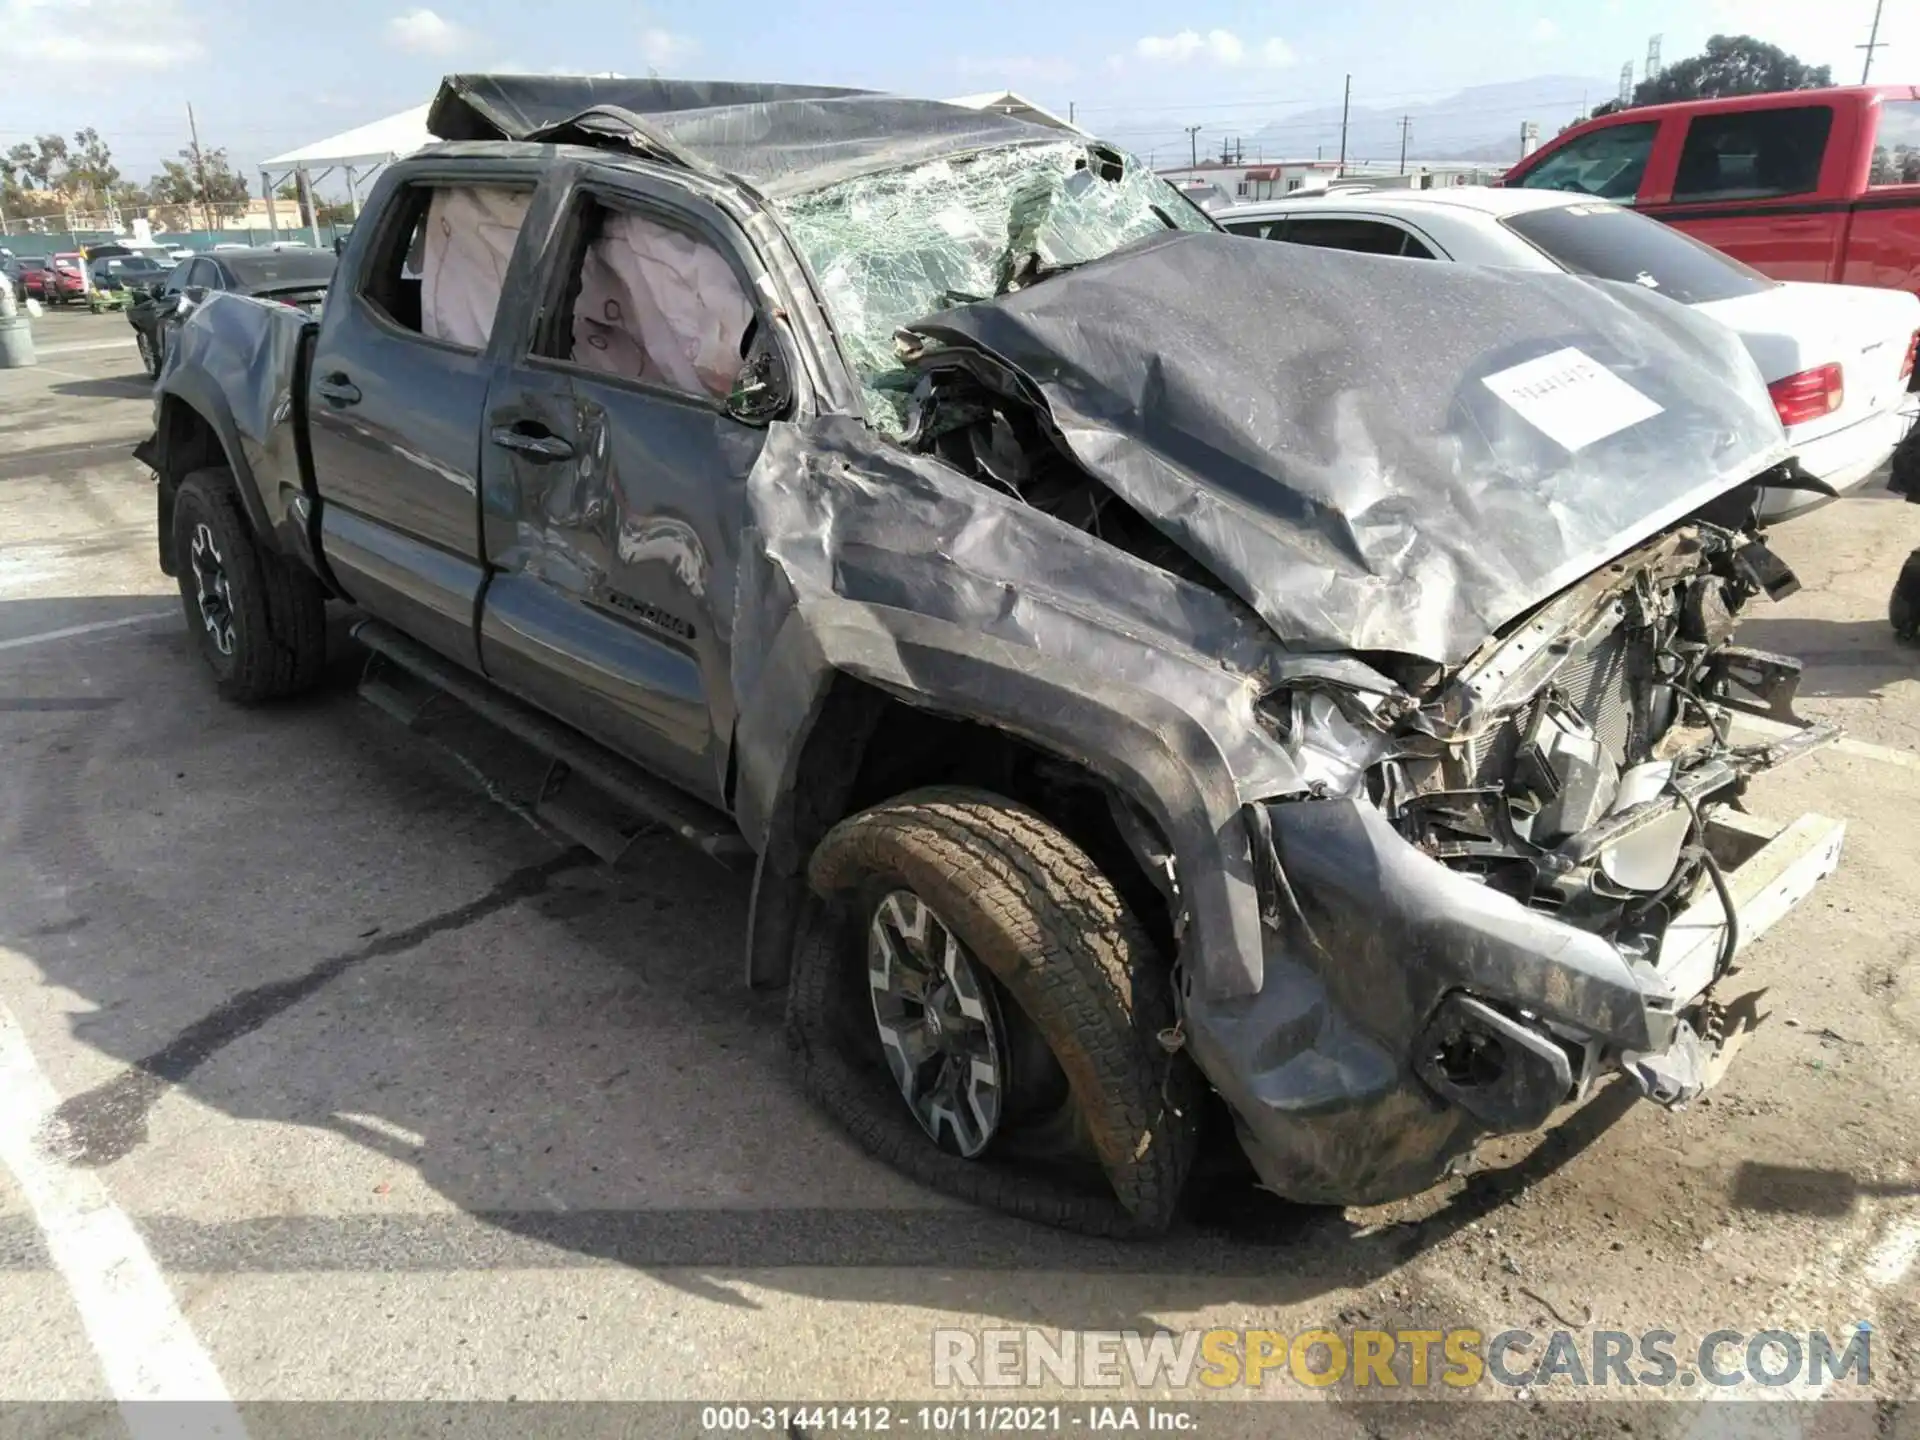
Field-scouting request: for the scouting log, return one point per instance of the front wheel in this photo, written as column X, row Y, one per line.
column 260, row 623
column 149, row 352
column 975, row 1003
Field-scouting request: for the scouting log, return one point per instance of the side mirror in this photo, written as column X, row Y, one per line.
column 762, row 392
column 195, row 294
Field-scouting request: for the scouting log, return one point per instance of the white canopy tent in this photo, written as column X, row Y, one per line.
column 1011, row 102
column 365, row 148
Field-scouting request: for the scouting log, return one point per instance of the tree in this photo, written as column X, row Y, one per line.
column 1730, row 65
column 38, row 164
column 90, row 177
column 29, row 174
column 200, row 180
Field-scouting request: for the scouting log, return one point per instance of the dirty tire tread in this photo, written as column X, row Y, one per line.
column 1056, row 934
column 279, row 611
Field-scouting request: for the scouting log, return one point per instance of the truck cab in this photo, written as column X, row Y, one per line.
column 1817, row 185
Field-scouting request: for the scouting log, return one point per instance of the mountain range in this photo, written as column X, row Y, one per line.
column 1479, row 123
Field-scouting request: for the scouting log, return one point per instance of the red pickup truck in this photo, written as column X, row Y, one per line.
column 1803, row 185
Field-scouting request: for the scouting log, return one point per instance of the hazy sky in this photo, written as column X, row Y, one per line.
column 267, row 75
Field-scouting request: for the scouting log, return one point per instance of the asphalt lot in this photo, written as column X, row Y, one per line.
column 364, row 1088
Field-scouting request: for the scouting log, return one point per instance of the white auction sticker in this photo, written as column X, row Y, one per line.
column 1571, row 398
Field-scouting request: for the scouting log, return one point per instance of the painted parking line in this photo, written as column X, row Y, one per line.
column 70, row 631
column 146, row 1349
column 127, row 344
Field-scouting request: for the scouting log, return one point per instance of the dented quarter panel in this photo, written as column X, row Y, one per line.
column 238, row 363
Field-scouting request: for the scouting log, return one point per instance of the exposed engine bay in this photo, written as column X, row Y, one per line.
column 1576, row 755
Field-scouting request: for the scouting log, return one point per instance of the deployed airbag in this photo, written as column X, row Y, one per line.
column 657, row 304
column 464, row 249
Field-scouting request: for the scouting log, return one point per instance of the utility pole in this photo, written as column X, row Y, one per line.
column 1070, row 112
column 200, row 169
column 1346, row 105
column 1874, row 42
column 1193, row 147
column 1406, row 124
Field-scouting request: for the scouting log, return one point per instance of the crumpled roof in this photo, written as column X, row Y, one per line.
column 1326, row 432
column 782, row 139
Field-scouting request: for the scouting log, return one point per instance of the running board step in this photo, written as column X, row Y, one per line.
column 705, row 828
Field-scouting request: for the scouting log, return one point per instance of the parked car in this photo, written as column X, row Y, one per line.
column 33, row 276
column 297, row 280
column 121, row 281
column 1838, row 359
column 1820, row 185
column 66, row 279
column 1128, row 658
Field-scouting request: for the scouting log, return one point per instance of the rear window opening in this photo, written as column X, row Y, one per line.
column 1753, row 154
column 439, row 268
column 1609, row 243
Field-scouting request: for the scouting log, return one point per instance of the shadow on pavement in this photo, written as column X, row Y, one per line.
column 306, row 915
column 1842, row 657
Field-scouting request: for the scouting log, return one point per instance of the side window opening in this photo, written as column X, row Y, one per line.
column 1608, row 162
column 1896, row 149
column 1364, row 237
column 441, row 268
column 1753, row 154
column 654, row 303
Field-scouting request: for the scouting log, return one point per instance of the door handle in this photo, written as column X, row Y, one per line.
column 337, row 390
column 533, row 440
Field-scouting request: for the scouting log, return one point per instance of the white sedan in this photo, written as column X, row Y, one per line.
column 1838, row 359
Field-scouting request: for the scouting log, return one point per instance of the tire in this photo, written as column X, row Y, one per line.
column 1903, row 606
column 1067, row 960
column 262, row 626
column 149, row 352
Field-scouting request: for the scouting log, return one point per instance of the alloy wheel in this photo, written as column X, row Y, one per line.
column 211, row 591
column 939, row 1024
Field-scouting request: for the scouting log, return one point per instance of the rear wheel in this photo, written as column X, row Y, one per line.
column 149, row 352
column 1903, row 606
column 975, row 1003
column 260, row 623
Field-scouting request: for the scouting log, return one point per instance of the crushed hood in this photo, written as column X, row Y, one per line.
column 1379, row 454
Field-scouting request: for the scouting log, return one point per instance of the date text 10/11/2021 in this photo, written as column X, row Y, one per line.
column 948, row 1419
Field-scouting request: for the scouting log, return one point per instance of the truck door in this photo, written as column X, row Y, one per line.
column 1765, row 185
column 397, row 392
column 1883, row 247
column 614, row 474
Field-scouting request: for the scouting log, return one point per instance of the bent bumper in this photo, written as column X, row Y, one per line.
column 1846, row 459
column 1407, row 1011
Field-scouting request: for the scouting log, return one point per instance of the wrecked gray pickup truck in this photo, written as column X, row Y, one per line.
column 1150, row 674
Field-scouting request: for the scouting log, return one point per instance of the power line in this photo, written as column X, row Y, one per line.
column 1262, row 98
column 1568, row 101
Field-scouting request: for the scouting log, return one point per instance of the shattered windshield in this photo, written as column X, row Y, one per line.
column 892, row 248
